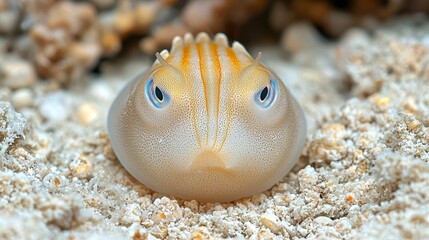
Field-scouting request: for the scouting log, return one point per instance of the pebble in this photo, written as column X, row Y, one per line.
column 270, row 220
column 18, row 74
column 327, row 208
column 300, row 37
column 102, row 91
column 81, row 167
column 355, row 37
column 110, row 42
column 322, row 220
column 7, row 21
column 201, row 15
column 22, row 98
column 413, row 125
column 12, row 127
column 86, row 53
column 343, row 225
column 52, row 181
column 87, row 112
column 132, row 214
column 53, row 107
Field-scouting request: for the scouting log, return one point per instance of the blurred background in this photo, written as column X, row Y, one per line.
column 63, row 40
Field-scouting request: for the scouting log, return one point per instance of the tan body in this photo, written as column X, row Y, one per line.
column 212, row 138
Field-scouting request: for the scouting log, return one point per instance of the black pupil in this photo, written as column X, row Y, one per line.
column 158, row 94
column 264, row 94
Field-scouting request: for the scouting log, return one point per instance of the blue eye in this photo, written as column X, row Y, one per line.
column 156, row 96
column 266, row 96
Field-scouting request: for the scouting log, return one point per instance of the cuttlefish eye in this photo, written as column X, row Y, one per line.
column 156, row 96
column 267, row 95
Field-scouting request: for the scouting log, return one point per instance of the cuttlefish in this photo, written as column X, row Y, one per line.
column 207, row 122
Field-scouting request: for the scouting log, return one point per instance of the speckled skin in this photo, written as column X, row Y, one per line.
column 212, row 142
